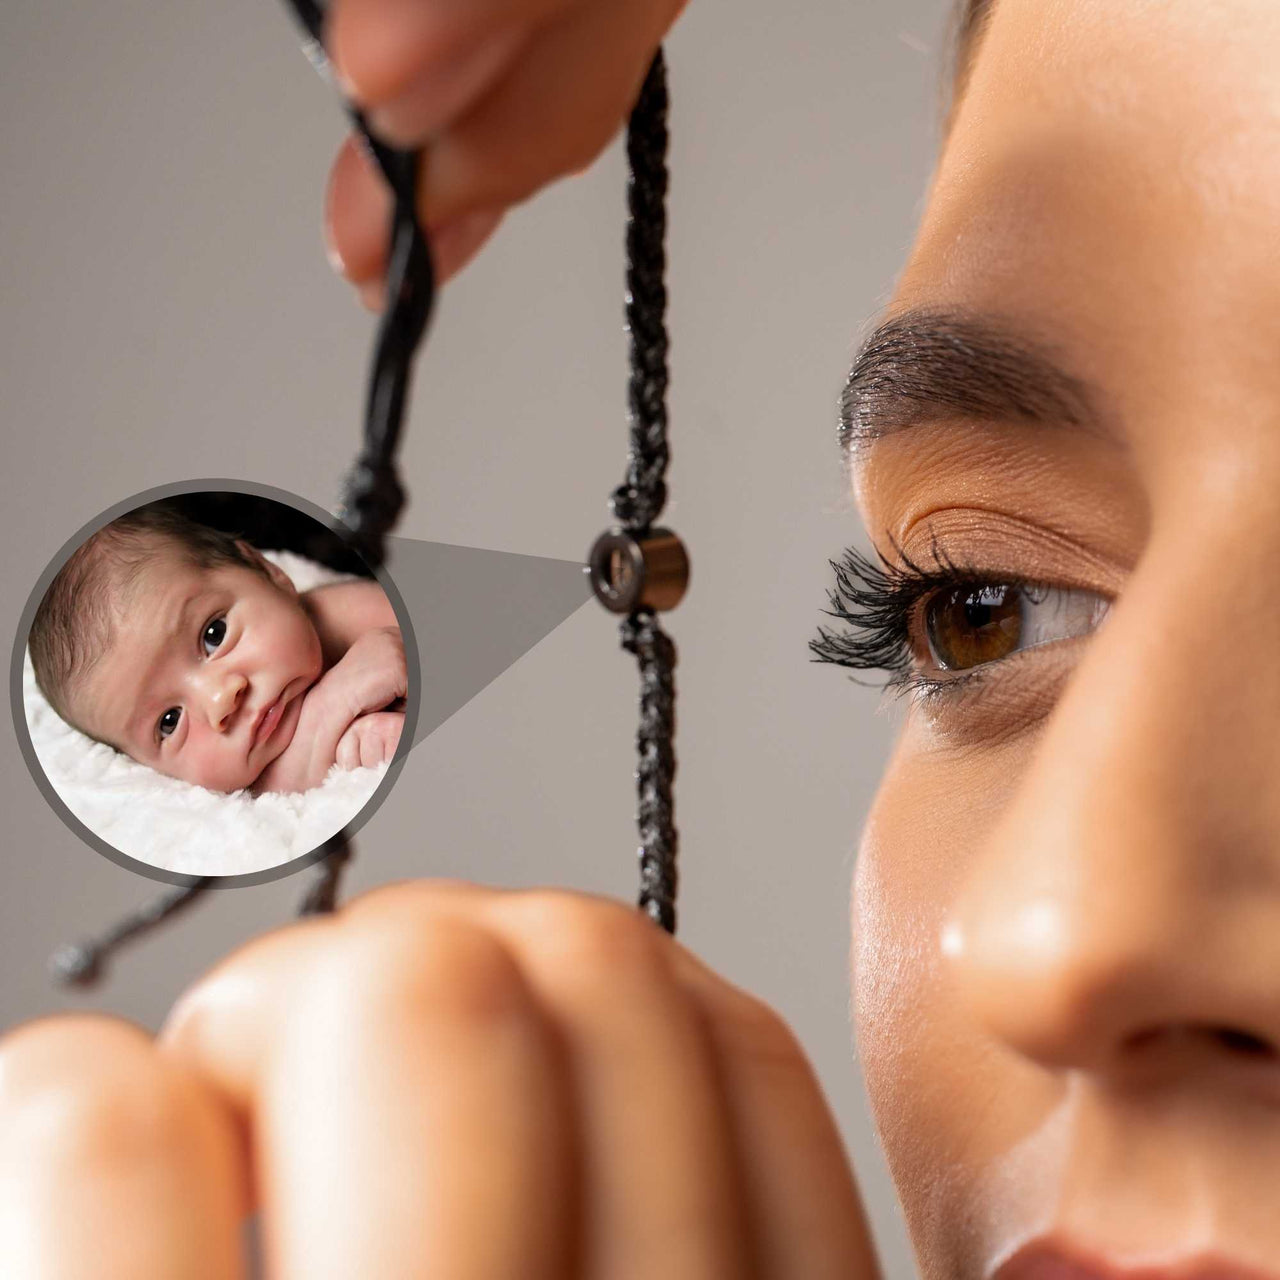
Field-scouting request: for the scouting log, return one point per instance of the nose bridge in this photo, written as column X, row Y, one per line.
column 1133, row 883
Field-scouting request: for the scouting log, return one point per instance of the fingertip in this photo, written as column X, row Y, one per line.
column 378, row 47
column 453, row 246
column 373, row 295
column 357, row 207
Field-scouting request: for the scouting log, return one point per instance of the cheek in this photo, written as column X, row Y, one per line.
column 905, row 879
column 316, row 652
column 211, row 762
column 945, row 1097
column 305, row 645
column 294, row 644
column 923, row 1064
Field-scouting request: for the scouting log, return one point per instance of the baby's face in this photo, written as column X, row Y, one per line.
column 205, row 673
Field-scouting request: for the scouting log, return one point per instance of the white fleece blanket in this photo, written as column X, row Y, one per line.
column 181, row 827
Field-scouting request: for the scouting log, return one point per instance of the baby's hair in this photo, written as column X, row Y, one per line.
column 73, row 624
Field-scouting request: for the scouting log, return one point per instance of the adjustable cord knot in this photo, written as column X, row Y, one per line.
column 372, row 499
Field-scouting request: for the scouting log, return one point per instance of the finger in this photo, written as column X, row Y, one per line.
column 347, row 754
column 115, row 1161
column 222, row 1026
column 661, row 1195
column 803, row 1202
column 406, row 1104
column 562, row 101
column 357, row 213
column 446, row 92
column 388, row 741
column 452, row 248
column 383, row 50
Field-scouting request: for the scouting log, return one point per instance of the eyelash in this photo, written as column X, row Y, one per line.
column 881, row 605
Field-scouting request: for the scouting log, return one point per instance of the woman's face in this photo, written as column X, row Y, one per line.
column 1066, row 911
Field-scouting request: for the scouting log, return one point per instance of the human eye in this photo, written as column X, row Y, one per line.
column 168, row 722
column 937, row 629
column 213, row 635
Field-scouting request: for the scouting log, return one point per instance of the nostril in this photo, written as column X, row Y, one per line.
column 1244, row 1043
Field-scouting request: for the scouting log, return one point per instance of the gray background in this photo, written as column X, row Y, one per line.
column 166, row 312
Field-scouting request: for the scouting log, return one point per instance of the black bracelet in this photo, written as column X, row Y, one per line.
column 635, row 569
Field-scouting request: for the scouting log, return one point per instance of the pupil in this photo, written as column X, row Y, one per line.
column 214, row 632
column 976, row 614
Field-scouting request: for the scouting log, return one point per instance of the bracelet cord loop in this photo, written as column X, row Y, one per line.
column 373, row 495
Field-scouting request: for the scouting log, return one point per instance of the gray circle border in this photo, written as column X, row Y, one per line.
column 18, row 707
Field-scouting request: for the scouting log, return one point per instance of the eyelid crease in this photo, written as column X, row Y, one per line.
column 1022, row 548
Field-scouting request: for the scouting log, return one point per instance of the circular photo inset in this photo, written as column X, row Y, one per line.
column 213, row 683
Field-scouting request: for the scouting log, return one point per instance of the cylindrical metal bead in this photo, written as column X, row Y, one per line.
column 629, row 573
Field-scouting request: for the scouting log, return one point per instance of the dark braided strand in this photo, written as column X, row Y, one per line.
column 81, row 965
column 659, row 841
column 639, row 500
column 373, row 495
column 322, row 896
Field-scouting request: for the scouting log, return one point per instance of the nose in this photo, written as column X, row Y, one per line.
column 220, row 693
column 1124, row 916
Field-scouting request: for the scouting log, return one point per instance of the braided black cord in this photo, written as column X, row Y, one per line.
column 659, row 841
column 81, row 965
column 372, row 494
column 638, row 501
column 322, row 896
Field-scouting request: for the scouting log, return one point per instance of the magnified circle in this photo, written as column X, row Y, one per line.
column 208, row 681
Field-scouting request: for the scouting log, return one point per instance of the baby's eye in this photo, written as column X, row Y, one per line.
column 169, row 721
column 214, row 634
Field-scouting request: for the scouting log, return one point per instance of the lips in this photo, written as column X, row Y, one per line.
column 267, row 720
column 1057, row 1260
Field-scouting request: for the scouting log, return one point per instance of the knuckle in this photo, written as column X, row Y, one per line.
column 89, row 1090
column 437, row 964
column 596, row 940
column 756, row 1032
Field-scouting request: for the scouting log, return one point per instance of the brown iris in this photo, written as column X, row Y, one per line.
column 972, row 624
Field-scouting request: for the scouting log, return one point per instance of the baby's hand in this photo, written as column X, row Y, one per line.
column 370, row 740
column 370, row 676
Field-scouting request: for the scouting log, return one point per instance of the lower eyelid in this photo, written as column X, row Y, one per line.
column 1002, row 696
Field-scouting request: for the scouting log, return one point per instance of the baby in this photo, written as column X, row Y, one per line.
column 184, row 648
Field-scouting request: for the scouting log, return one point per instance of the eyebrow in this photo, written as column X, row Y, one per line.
column 925, row 363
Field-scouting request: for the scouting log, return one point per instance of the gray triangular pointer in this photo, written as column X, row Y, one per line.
column 474, row 613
